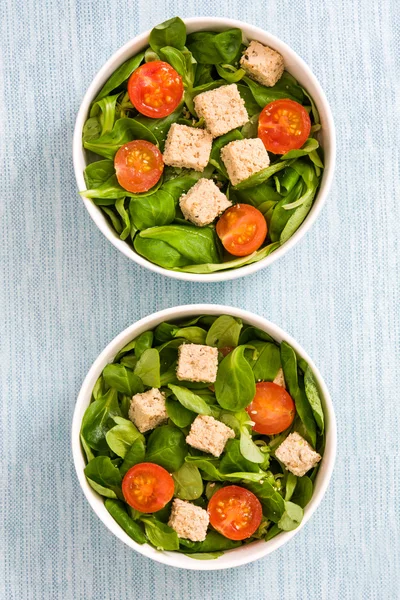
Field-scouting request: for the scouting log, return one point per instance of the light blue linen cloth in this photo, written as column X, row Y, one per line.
column 66, row 292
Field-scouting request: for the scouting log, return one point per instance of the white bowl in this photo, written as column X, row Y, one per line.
column 294, row 64
column 231, row 558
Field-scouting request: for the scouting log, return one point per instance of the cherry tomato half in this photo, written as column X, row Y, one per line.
column 138, row 166
column 272, row 409
column 155, row 89
column 283, row 125
column 235, row 512
column 147, row 487
column 242, row 229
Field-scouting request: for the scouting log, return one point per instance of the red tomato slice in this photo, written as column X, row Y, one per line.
column 147, row 487
column 138, row 166
column 272, row 409
column 283, row 125
column 155, row 89
column 242, row 229
column 235, row 512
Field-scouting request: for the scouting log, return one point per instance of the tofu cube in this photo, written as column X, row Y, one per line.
column 188, row 520
column 203, row 203
column 262, row 64
column 243, row 158
column 147, row 410
column 280, row 378
column 222, row 109
column 297, row 455
column 197, row 363
column 209, row 435
column 188, row 147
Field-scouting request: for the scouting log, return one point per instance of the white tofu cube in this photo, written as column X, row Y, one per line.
column 147, row 410
column 280, row 378
column 223, row 109
column 188, row 147
column 197, row 363
column 188, row 520
column 203, row 203
column 209, row 435
column 262, row 64
column 297, row 455
column 243, row 158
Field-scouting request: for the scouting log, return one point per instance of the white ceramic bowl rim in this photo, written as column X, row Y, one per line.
column 304, row 76
column 231, row 558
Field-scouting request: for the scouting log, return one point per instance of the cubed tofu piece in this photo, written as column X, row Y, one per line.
column 243, row 158
column 262, row 64
column 223, row 109
column 147, row 410
column 280, row 378
column 188, row 520
column 197, row 363
column 209, row 435
column 188, row 147
column 297, row 455
column 203, row 203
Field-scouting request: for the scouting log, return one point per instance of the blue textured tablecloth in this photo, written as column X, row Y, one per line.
column 66, row 292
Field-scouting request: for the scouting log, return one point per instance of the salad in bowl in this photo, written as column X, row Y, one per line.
column 205, row 435
column 202, row 151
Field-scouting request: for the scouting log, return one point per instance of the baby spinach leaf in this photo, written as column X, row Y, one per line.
column 194, row 335
column 211, row 472
column 291, row 518
column 313, row 397
column 192, row 244
column 203, row 74
column 261, row 176
column 97, row 420
column 143, row 342
column 211, row 488
column 291, row 481
column 233, row 460
column 271, row 500
column 218, row 144
column 148, row 368
column 225, row 331
column 248, row 448
column 118, row 512
column 213, row 48
column 190, row 400
column 297, row 218
column 122, row 379
column 102, row 471
column 152, row 211
column 286, row 87
column 104, row 110
column 111, row 190
column 103, row 491
column 234, row 386
column 120, row 75
column 287, row 180
column 267, row 362
column 309, row 146
column 289, row 366
column 120, row 207
column 188, row 482
column 162, row 536
column 230, row 73
column 160, row 127
column 179, row 415
column 214, row 542
column 249, row 333
column 115, row 221
column 205, row 555
column 169, row 33
column 99, row 388
column 134, row 455
column 121, row 437
column 125, row 130
column 167, row 447
column 280, row 215
column 150, row 55
column 250, row 129
column 130, row 346
column 251, row 105
column 86, row 448
column 91, row 129
column 303, row 492
column 159, row 252
column 98, row 173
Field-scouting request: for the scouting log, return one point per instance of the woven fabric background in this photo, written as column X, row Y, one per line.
column 66, row 292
